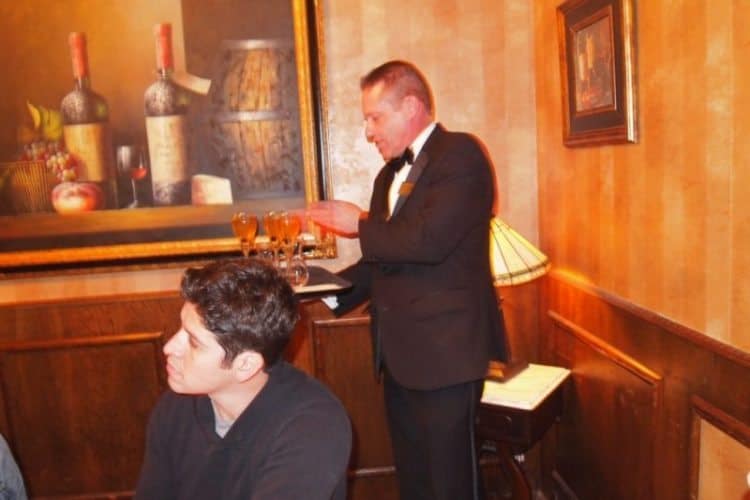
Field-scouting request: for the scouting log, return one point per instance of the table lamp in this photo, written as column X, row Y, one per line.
column 513, row 261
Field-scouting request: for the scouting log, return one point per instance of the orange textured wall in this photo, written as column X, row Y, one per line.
column 478, row 55
column 664, row 222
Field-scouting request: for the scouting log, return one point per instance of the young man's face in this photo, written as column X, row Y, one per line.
column 386, row 121
column 194, row 357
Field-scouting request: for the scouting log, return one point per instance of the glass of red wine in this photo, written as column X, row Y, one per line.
column 131, row 163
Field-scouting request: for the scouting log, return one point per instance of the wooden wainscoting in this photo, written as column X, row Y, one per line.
column 76, row 406
column 78, row 380
column 638, row 379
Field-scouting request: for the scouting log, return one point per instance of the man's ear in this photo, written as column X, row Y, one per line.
column 247, row 364
column 412, row 104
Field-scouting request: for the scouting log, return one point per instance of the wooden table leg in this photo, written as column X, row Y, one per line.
column 514, row 484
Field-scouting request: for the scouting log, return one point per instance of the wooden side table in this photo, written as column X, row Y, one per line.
column 514, row 415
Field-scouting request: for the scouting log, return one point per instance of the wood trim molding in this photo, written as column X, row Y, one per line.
column 610, row 352
column 69, row 343
column 94, row 300
column 386, row 470
column 720, row 419
column 346, row 321
column 698, row 338
column 703, row 410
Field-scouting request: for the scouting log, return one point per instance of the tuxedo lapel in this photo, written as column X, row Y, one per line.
column 421, row 161
column 411, row 179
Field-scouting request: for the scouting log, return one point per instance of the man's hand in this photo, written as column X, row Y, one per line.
column 339, row 217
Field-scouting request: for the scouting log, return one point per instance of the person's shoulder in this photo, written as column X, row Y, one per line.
column 308, row 391
column 313, row 413
column 451, row 140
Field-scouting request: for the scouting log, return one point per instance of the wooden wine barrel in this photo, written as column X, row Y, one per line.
column 254, row 126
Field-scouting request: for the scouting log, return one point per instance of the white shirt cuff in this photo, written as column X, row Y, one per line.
column 331, row 301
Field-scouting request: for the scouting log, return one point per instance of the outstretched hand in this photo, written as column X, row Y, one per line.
column 338, row 216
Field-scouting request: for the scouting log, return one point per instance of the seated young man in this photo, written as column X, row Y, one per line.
column 239, row 422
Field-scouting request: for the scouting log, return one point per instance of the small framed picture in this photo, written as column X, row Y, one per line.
column 598, row 71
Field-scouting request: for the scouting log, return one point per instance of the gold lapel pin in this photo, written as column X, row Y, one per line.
column 405, row 189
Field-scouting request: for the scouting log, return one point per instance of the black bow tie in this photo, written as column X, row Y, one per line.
column 406, row 157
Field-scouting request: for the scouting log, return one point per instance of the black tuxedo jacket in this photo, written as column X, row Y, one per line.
column 426, row 268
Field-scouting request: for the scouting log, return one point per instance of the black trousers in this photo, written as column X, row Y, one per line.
column 432, row 433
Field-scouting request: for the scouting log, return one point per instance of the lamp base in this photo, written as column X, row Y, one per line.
column 504, row 371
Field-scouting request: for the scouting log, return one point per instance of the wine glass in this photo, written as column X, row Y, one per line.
column 272, row 226
column 244, row 225
column 289, row 231
column 264, row 250
column 131, row 163
column 297, row 272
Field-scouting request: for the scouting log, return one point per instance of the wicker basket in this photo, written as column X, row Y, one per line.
column 25, row 187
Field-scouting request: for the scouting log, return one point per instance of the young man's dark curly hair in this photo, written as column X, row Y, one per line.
column 246, row 303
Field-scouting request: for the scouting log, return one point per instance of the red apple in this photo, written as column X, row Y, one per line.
column 74, row 197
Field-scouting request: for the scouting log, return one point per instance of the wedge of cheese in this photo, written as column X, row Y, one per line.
column 211, row 190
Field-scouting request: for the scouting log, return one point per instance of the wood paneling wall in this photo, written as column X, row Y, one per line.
column 78, row 380
column 641, row 388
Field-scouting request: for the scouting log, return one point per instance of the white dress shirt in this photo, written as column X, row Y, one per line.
column 401, row 175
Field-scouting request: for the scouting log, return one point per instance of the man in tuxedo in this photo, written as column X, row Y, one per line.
column 425, row 269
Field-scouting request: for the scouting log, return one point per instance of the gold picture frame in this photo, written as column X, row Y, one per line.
column 598, row 71
column 35, row 238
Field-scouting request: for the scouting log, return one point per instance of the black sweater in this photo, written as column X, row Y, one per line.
column 292, row 442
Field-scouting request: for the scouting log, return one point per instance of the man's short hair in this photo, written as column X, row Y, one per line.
column 402, row 78
column 246, row 303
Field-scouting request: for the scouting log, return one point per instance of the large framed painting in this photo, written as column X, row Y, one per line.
column 143, row 170
column 598, row 71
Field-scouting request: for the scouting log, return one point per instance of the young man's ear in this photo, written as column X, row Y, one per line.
column 247, row 364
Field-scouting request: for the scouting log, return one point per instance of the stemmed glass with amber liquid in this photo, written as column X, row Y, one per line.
column 244, row 226
column 289, row 231
column 272, row 227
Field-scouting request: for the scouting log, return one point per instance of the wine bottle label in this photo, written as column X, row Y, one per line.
column 91, row 144
column 167, row 149
column 210, row 190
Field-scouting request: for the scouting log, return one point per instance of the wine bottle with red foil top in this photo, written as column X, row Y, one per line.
column 86, row 131
column 166, row 127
